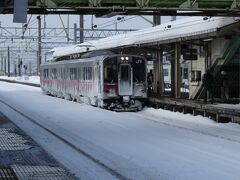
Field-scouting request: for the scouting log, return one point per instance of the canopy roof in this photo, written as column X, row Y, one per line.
column 175, row 31
column 129, row 7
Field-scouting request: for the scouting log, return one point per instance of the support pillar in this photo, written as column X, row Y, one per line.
column 81, row 29
column 1, row 63
column 158, row 73
column 75, row 33
column 30, row 69
column 157, row 66
column 5, row 65
column 176, row 72
column 8, row 61
column 39, row 52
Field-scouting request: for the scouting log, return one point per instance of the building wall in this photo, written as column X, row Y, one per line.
column 217, row 48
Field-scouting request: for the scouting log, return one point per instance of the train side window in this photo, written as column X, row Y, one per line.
column 54, row 73
column 62, row 73
column 89, row 73
column 84, row 73
column 80, row 73
column 45, row 73
column 73, row 73
column 110, row 73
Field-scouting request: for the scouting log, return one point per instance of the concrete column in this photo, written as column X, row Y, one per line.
column 158, row 73
column 157, row 63
column 176, row 72
column 30, row 68
column 173, row 18
column 75, row 33
column 156, row 20
column 5, row 65
column 8, row 61
column 81, row 29
column 39, row 52
column 1, row 64
column 178, row 79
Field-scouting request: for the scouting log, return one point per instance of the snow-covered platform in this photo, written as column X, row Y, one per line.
column 217, row 111
column 25, row 80
column 21, row 158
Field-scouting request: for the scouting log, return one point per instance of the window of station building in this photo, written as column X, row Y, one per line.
column 45, row 73
column 54, row 73
column 165, row 72
column 139, row 70
column 73, row 73
column 167, row 58
column 185, row 73
column 110, row 70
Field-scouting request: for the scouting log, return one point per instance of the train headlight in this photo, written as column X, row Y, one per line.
column 122, row 58
column 126, row 58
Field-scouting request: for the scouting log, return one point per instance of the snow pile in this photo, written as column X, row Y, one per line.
column 177, row 116
column 29, row 79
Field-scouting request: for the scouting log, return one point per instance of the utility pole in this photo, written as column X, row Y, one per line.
column 75, row 33
column 158, row 64
column 8, row 61
column 30, row 69
column 39, row 45
column 19, row 66
column 173, row 18
column 15, row 69
column 68, row 31
column 81, row 29
column 5, row 65
column 1, row 63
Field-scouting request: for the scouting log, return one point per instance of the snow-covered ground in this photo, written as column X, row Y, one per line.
column 151, row 144
column 29, row 79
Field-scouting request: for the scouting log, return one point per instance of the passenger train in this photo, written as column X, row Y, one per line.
column 100, row 78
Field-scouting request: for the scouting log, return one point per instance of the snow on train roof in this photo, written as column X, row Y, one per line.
column 174, row 31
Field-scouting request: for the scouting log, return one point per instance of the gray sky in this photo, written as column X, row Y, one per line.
column 27, row 48
column 129, row 22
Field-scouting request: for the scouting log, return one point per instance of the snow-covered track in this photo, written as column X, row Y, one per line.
column 110, row 170
column 19, row 82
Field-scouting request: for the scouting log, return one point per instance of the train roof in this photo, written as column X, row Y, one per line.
column 194, row 27
column 99, row 55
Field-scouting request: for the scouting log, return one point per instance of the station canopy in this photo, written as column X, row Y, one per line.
column 108, row 8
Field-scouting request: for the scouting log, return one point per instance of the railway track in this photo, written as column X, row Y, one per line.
column 138, row 115
column 108, row 169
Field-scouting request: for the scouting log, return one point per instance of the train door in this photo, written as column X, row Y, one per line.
column 125, row 80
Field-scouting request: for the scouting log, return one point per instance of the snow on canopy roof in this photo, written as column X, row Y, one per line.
column 175, row 30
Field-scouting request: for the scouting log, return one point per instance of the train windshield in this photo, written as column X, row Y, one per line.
column 110, row 70
column 139, row 69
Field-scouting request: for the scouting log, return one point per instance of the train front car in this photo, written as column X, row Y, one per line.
column 124, row 83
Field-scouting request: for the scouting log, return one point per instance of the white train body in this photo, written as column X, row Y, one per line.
column 100, row 78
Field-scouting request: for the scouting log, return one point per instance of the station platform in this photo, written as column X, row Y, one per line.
column 21, row 158
column 219, row 112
